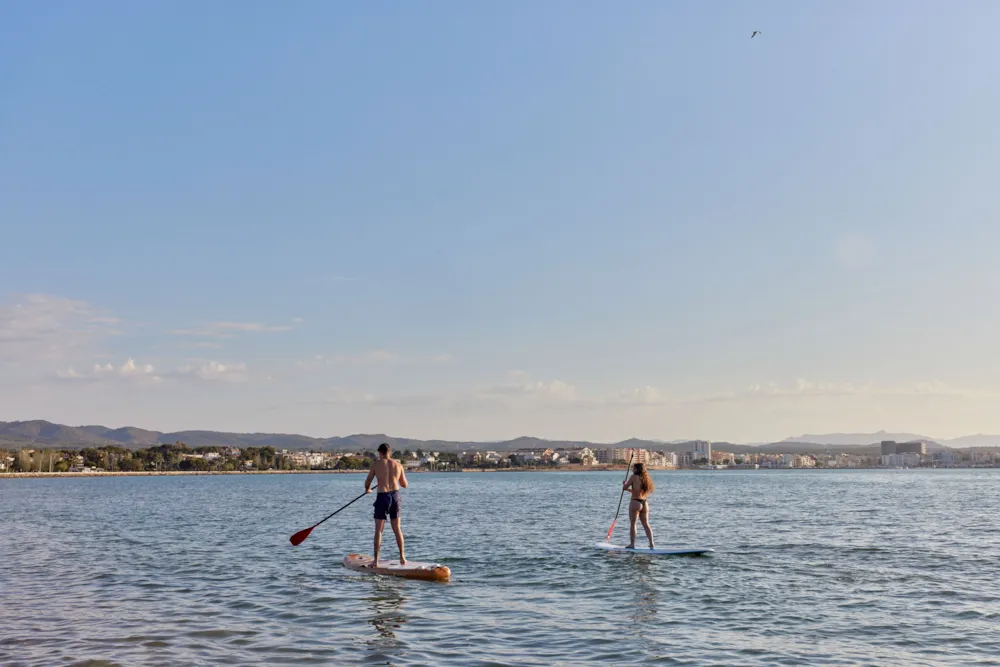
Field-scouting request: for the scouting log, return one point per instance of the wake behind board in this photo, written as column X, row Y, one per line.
column 671, row 551
column 412, row 569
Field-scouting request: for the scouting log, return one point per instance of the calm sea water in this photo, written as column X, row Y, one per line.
column 812, row 567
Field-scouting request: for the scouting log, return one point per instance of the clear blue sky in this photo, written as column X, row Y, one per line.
column 460, row 220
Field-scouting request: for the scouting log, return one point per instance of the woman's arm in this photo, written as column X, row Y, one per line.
column 628, row 482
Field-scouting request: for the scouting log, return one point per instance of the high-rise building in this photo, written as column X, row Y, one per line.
column 912, row 447
column 701, row 449
column 639, row 456
column 613, row 454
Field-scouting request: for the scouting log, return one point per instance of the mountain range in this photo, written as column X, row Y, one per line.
column 41, row 433
column 977, row 440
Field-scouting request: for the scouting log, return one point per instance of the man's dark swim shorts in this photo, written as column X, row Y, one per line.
column 387, row 504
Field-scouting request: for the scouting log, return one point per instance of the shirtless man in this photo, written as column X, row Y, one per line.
column 390, row 478
column 641, row 485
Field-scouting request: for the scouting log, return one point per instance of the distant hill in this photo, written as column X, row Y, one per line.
column 41, row 433
column 858, row 438
column 126, row 435
column 979, row 440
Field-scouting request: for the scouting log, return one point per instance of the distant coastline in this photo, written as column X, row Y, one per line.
column 182, row 473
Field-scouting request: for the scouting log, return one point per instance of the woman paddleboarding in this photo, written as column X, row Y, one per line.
column 641, row 486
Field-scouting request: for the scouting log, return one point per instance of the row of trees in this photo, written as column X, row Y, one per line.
column 179, row 456
column 176, row 456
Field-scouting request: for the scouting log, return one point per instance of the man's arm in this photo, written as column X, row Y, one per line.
column 368, row 480
column 402, row 476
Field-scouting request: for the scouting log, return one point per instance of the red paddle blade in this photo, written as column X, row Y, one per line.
column 300, row 537
column 606, row 539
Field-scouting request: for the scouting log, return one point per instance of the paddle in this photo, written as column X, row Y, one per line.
column 627, row 471
column 300, row 537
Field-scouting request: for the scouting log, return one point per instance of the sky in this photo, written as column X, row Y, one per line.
column 460, row 220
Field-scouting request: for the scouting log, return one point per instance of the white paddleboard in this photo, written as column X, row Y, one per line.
column 659, row 551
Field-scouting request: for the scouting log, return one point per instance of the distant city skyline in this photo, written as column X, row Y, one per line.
column 473, row 223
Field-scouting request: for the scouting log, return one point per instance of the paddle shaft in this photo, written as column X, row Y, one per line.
column 621, row 497
column 344, row 507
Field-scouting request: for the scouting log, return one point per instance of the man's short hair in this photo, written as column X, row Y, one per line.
column 383, row 448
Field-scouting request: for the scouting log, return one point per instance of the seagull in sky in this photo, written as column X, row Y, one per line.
column 755, row 33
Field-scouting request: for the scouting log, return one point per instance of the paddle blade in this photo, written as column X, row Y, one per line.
column 606, row 539
column 300, row 537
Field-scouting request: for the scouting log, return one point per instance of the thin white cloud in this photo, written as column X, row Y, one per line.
column 646, row 395
column 128, row 371
column 801, row 389
column 564, row 394
column 370, row 358
column 214, row 371
column 556, row 389
column 530, row 395
column 44, row 327
column 346, row 396
column 230, row 329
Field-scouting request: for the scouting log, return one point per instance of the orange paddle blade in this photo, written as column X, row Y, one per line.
column 606, row 539
column 300, row 537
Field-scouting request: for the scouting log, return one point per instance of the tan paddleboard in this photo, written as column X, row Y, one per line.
column 412, row 569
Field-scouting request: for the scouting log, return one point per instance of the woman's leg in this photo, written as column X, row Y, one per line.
column 644, row 515
column 633, row 514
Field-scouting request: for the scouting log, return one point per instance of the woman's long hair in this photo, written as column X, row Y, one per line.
column 645, row 481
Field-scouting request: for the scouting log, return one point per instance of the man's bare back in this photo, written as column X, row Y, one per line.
column 388, row 473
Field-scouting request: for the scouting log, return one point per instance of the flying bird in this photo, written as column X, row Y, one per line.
column 755, row 33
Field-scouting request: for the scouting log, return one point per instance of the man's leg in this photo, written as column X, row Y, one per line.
column 394, row 521
column 379, row 524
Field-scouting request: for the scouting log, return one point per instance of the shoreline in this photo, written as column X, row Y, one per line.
column 563, row 469
column 178, row 473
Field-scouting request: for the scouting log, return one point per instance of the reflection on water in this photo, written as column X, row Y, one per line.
column 645, row 595
column 386, row 610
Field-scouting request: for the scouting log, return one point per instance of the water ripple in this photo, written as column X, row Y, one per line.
column 817, row 567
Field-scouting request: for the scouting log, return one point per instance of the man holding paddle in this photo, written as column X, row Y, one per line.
column 390, row 477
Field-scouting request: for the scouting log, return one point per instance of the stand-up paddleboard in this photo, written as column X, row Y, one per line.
column 670, row 551
column 412, row 569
